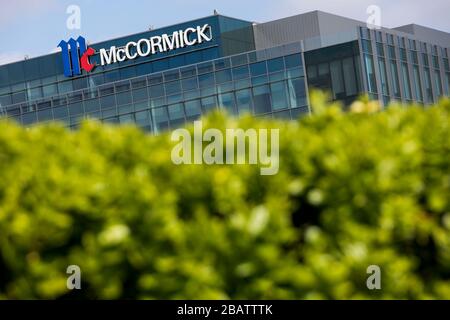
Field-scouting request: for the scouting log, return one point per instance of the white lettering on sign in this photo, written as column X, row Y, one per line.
column 157, row 44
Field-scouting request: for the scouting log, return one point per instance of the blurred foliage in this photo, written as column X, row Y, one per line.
column 354, row 189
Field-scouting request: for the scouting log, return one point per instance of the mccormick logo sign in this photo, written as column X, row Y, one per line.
column 75, row 53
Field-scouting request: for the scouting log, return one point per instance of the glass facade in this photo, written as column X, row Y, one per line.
column 266, row 83
column 335, row 69
column 408, row 70
column 166, row 90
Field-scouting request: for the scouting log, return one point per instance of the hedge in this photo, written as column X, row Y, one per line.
column 354, row 189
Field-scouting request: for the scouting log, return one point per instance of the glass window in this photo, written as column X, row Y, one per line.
column 223, row 76
column 64, row 87
column 205, row 67
column 312, row 72
column 226, row 100
column 160, row 65
column 176, row 115
column 206, row 80
column 417, row 83
column 123, row 98
column 75, row 108
column 447, row 84
column 171, row 75
column 6, row 100
column 155, row 79
column 35, row 93
column 140, row 94
column 193, row 109
column 222, row 64
column 405, row 81
column 240, row 73
column 161, row 118
column 257, row 69
column 188, row 72
column 297, row 92
column 176, row 61
column 370, row 71
column 4, row 76
column 50, row 90
column 261, row 99
column 366, row 46
column 189, row 84
column 395, row 78
column 91, row 105
column 293, row 61
column 323, row 69
column 127, row 118
column 279, row 95
column 275, row 65
column 428, row 86
column 29, row 118
column 383, row 77
column 351, row 86
column 244, row 101
column 156, row 91
column 15, row 72
column 112, row 76
column 108, row 101
column 144, row 69
column 209, row 103
column 437, row 83
column 173, row 87
column 142, row 118
column 139, row 83
column 18, row 97
column 337, row 81
column 239, row 60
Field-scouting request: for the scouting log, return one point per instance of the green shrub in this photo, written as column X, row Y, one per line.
column 354, row 189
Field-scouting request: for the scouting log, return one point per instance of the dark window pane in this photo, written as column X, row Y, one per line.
column 193, row 109
column 60, row 112
column 223, row 76
column 206, row 80
column 173, row 87
column 226, row 100
column 139, row 94
column 293, row 61
column 257, row 69
column 123, row 98
column 209, row 104
column 240, row 73
column 297, row 92
column 261, row 99
column 274, row 65
column 244, row 101
column 189, row 84
column 75, row 108
column 91, row 105
column 156, row 91
column 108, row 101
column 279, row 95
column 205, row 67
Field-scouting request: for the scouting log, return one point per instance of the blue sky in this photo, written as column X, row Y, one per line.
column 35, row 27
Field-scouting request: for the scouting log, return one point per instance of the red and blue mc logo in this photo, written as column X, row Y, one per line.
column 76, row 55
